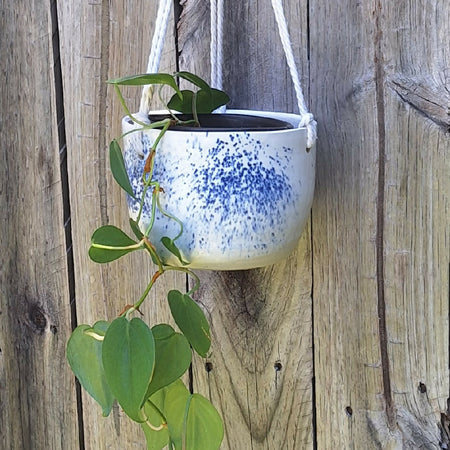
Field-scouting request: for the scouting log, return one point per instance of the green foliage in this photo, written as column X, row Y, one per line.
column 147, row 78
column 84, row 353
column 203, row 101
column 172, row 247
column 128, row 356
column 125, row 360
column 173, row 357
column 118, row 167
column 191, row 321
column 203, row 424
column 109, row 243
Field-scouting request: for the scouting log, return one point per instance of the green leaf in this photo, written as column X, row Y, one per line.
column 194, row 79
column 148, row 78
column 176, row 398
column 118, row 168
column 171, row 246
column 182, row 105
column 203, row 427
column 190, row 319
column 136, row 230
column 156, row 439
column 207, row 101
column 138, row 233
column 172, row 357
column 113, row 237
column 128, row 360
column 84, row 353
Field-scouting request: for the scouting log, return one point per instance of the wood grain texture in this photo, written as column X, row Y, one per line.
column 348, row 369
column 382, row 105
column 260, row 370
column 103, row 40
column 417, row 217
column 345, row 345
column 37, row 390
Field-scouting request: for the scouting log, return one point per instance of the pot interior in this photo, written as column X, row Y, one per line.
column 227, row 122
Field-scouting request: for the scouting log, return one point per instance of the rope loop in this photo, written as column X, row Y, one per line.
column 307, row 120
column 216, row 9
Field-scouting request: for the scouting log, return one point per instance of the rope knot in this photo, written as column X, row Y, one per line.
column 307, row 120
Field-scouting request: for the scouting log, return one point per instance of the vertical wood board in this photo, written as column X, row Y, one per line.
column 417, row 214
column 37, row 390
column 348, row 372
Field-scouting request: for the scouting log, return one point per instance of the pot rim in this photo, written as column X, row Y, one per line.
column 292, row 119
column 227, row 122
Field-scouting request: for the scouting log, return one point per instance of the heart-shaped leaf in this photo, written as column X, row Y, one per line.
column 172, row 357
column 84, row 353
column 182, row 104
column 208, row 101
column 148, row 78
column 172, row 247
column 109, row 243
column 118, row 169
column 192, row 421
column 128, row 360
column 176, row 398
column 203, row 426
column 190, row 319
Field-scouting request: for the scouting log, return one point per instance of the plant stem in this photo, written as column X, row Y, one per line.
column 137, row 305
column 155, row 257
column 125, row 107
column 165, row 213
column 188, row 272
column 194, row 108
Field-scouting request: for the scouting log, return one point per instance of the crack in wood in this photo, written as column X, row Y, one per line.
column 62, row 144
column 381, row 118
column 102, row 145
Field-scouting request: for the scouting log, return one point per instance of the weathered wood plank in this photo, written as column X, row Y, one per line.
column 417, row 215
column 37, row 390
column 260, row 370
column 348, row 372
column 383, row 178
column 102, row 40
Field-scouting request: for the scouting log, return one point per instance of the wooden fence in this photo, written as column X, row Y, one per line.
column 345, row 345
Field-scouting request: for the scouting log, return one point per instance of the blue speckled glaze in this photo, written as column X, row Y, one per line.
column 243, row 197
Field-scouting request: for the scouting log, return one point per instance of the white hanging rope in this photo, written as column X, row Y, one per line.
column 216, row 53
column 162, row 20
column 307, row 119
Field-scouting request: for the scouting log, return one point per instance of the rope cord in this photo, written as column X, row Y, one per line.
column 216, row 43
column 307, row 119
column 162, row 20
column 216, row 7
column 216, row 54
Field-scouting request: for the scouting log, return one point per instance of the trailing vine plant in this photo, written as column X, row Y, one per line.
column 125, row 360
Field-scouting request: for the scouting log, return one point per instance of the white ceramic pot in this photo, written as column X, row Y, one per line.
column 243, row 196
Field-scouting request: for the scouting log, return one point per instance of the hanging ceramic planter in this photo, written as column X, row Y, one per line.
column 241, row 189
